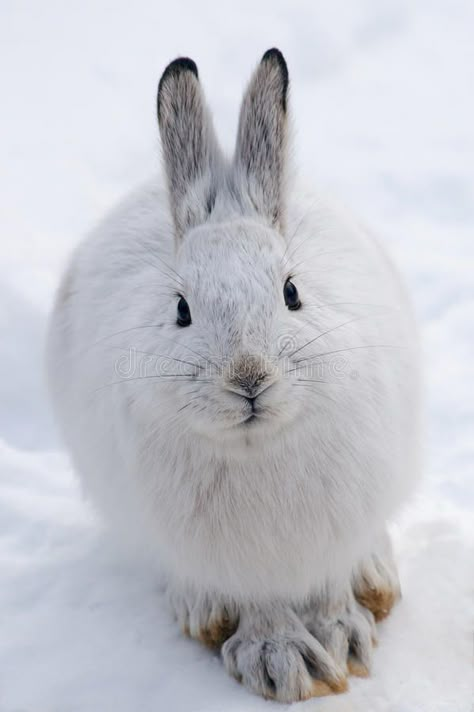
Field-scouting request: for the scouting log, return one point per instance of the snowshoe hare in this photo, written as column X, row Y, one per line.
column 233, row 365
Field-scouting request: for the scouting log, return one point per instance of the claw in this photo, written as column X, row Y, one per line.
column 357, row 668
column 379, row 601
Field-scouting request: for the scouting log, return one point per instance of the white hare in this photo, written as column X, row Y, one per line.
column 233, row 365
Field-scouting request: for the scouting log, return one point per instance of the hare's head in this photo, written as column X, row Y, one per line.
column 237, row 302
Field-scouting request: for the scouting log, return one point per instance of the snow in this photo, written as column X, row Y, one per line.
column 382, row 96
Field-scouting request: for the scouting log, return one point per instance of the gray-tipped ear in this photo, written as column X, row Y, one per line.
column 191, row 155
column 260, row 158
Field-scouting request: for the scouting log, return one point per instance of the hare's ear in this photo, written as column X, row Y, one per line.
column 192, row 158
column 260, row 158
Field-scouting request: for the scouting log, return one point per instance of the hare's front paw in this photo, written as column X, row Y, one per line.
column 375, row 582
column 345, row 629
column 209, row 619
column 273, row 654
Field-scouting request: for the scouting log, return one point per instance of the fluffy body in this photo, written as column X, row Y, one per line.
column 277, row 508
column 265, row 506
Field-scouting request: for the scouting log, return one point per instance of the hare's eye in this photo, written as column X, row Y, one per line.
column 290, row 293
column 184, row 315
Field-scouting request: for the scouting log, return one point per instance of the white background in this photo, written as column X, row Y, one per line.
column 382, row 98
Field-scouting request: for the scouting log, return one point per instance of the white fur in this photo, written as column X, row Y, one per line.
column 278, row 508
column 269, row 529
column 269, row 526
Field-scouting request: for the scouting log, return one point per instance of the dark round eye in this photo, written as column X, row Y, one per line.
column 290, row 293
column 184, row 315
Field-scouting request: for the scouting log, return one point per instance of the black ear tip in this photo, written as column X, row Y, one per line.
column 174, row 69
column 179, row 65
column 274, row 55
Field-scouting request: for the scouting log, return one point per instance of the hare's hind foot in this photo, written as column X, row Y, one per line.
column 203, row 617
column 375, row 582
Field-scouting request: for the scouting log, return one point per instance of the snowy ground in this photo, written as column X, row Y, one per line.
column 383, row 102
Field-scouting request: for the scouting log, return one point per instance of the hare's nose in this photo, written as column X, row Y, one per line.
column 249, row 375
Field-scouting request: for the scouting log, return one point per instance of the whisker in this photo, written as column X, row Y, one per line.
column 168, row 275
column 166, row 338
column 187, row 404
column 298, row 226
column 324, row 306
column 191, row 392
column 324, row 333
column 168, row 266
column 317, row 255
column 157, row 355
column 320, row 394
column 340, row 304
column 312, row 323
column 318, row 380
column 174, row 376
column 351, row 348
column 196, row 353
column 184, row 406
column 305, row 365
column 296, row 265
column 297, row 247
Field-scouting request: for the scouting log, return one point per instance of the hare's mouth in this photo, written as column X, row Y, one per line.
column 250, row 419
column 258, row 418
